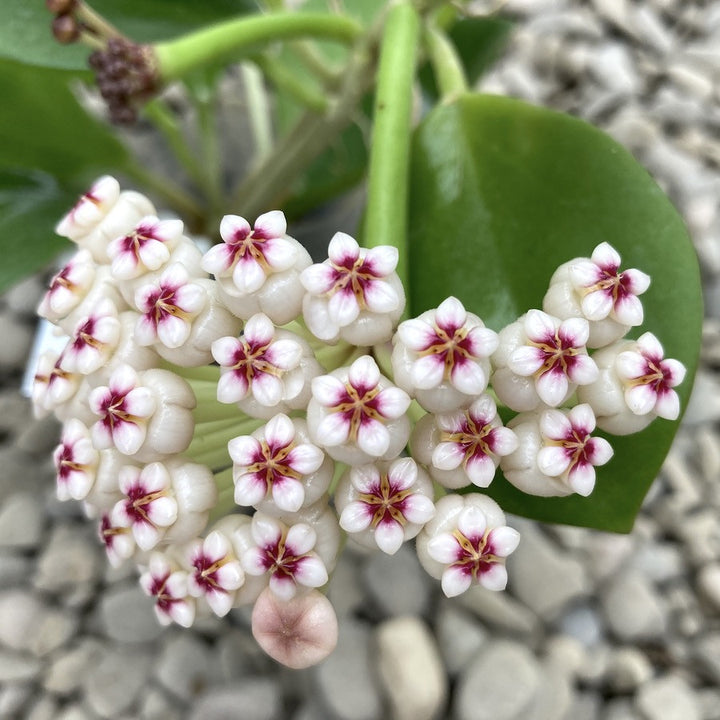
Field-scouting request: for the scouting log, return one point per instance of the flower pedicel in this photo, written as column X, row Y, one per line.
column 186, row 397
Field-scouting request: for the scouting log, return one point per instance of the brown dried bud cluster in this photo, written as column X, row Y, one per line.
column 125, row 74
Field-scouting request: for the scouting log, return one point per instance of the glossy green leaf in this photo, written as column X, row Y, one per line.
column 25, row 26
column 501, row 194
column 31, row 203
column 42, row 125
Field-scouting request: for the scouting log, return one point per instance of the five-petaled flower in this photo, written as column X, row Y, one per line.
column 94, row 340
column 90, row 208
column 384, row 505
column 355, row 294
column 464, row 446
column 442, row 356
column 285, row 554
column 168, row 584
column 68, row 287
column 467, row 542
column 215, row 572
column 278, row 462
column 75, row 461
column 357, row 415
column 117, row 539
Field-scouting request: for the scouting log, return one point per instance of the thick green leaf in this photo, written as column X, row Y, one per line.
column 42, row 126
column 502, row 193
column 25, row 26
column 31, row 203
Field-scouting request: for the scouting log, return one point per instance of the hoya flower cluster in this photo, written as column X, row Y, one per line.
column 229, row 416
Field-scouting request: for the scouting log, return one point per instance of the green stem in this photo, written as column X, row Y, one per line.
column 96, row 22
column 259, row 113
column 386, row 213
column 227, row 40
column 447, row 66
column 315, row 62
column 167, row 124
column 285, row 80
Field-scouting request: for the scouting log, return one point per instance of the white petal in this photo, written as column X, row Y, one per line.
column 311, row 572
column 173, row 331
column 145, row 331
column 301, row 539
column 553, row 460
column 382, row 259
column 318, row 279
column 280, row 253
column 343, row 248
column 267, row 389
column 279, row 431
column 288, row 494
column 232, row 387
column 628, row 310
column 216, row 546
column 630, row 365
column 582, row 418
column 584, row 273
column 552, row 387
column 265, row 530
column 574, row 331
column 128, row 437
column 230, row 574
column 234, row 227
column 283, row 586
column 380, row 297
column 244, row 450
column 481, row 470
column 447, row 456
column 483, row 341
column 392, row 402
column 305, row 459
column 539, row 326
column 356, row 517
column 146, row 535
column 555, row 425
column 253, row 562
column 403, row 473
column 248, row 276
column 418, row 509
column 526, row 360
column 504, row 441
column 416, row 334
column 343, row 307
column 455, row 581
column 674, row 371
column 599, row 451
column 597, row 305
column 428, row 372
column 468, row 377
column 225, row 350
column 450, row 315
column 650, row 346
column 389, row 536
column 162, row 511
column 373, row 438
column 220, row 602
column 639, row 281
column 140, row 402
column 503, row 540
column 583, row 370
column 582, row 478
column 259, row 330
column 444, row 548
column 217, row 259
column 328, row 390
column 182, row 613
column 364, row 373
column 284, row 354
column 471, row 522
column 333, row 430
column 641, row 399
column 667, row 405
column 271, row 224
column 494, row 578
column 365, row 479
column 249, row 489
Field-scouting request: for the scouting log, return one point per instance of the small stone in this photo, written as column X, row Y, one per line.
column 39, row 437
column 584, row 706
column 113, row 685
column 628, row 668
column 708, row 700
column 239, row 654
column 68, row 669
column 17, row 339
column 554, row 696
column 28, row 624
column 633, row 609
column 701, row 536
column 668, row 698
column 500, row 684
column 706, row 656
column 459, row 635
column 256, row 698
column 410, row 669
column 397, row 583
column 659, row 562
column 501, row 612
column 21, row 522
column 13, row 697
column 15, row 412
column 593, row 671
column 15, row 667
column 613, row 67
column 608, row 552
column 45, row 708
column 620, row 709
column 566, row 654
column 24, row 297
column 543, row 576
column 127, row 615
column 346, row 681
column 185, row 667
column 14, row 570
column 709, row 584
column 583, row 623
column 344, row 591
column 70, row 560
column 156, row 706
column 22, row 474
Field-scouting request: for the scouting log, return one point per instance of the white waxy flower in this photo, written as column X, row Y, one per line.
column 102, row 214
column 117, row 539
column 258, row 269
column 94, row 340
column 594, row 288
column 68, row 287
column 144, row 414
column 385, row 504
column 145, row 248
column 164, row 502
column 285, row 554
column 557, row 453
column 442, row 356
column 215, row 572
column 541, row 359
column 279, row 465
column 357, row 415
column 76, row 462
column 464, row 446
column 466, row 543
column 53, row 387
column 355, row 295
column 168, row 584
column 181, row 317
column 635, row 385
column 266, row 370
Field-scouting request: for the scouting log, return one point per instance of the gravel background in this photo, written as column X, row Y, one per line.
column 594, row 626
